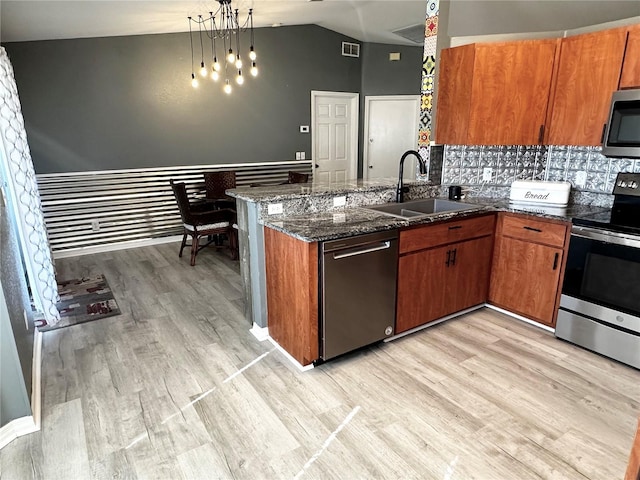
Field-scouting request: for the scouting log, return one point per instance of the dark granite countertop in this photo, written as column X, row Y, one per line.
column 270, row 193
column 318, row 227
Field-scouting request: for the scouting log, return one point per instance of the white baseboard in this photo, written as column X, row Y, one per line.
column 432, row 324
column 261, row 333
column 521, row 318
column 25, row 425
column 36, row 378
column 298, row 365
column 116, row 246
column 16, row 428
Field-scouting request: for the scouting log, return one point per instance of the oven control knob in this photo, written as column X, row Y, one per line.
column 633, row 185
column 622, row 184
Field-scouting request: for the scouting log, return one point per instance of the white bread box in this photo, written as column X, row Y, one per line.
column 535, row 192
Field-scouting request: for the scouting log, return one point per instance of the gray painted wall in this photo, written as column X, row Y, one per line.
column 383, row 77
column 127, row 102
column 16, row 341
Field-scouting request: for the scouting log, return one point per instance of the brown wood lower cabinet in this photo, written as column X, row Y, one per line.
column 292, row 294
column 528, row 266
column 438, row 281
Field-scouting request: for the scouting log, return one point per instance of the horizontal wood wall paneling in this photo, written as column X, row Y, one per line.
column 134, row 204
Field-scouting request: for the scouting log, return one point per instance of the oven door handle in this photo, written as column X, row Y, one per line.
column 605, row 236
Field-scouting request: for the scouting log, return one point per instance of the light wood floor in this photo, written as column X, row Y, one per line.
column 176, row 387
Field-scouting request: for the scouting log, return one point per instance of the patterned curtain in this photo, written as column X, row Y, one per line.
column 19, row 180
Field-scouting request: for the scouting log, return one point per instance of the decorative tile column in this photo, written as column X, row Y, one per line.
column 428, row 77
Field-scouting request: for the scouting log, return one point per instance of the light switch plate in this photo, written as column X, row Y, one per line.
column 486, row 174
column 304, row 128
column 339, row 201
column 274, row 208
column 302, row 155
column 298, row 156
column 581, row 178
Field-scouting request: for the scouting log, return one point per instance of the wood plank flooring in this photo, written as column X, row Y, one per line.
column 177, row 388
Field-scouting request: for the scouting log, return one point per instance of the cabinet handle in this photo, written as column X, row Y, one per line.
column 455, row 227
column 448, row 257
column 555, row 260
column 532, row 229
column 604, row 129
column 453, row 260
column 541, row 134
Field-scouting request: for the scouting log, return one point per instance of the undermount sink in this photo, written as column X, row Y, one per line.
column 420, row 208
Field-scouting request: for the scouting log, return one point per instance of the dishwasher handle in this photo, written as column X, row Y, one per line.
column 362, row 250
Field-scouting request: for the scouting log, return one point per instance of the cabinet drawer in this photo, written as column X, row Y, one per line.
column 428, row 236
column 530, row 229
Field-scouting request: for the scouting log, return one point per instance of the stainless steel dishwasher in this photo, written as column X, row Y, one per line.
column 358, row 291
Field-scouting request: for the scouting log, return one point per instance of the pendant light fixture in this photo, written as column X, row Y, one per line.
column 223, row 27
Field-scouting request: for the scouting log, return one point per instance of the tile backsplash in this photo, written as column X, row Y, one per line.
column 465, row 164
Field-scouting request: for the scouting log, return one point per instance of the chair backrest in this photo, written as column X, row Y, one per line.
column 180, row 192
column 215, row 183
column 296, row 177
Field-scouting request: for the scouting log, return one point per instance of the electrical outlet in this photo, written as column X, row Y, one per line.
column 95, row 225
column 302, row 155
column 304, row 128
column 581, row 178
column 487, row 172
column 274, row 208
column 298, row 155
column 339, row 201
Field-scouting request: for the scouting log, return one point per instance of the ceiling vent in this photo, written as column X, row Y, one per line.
column 414, row 33
column 350, row 49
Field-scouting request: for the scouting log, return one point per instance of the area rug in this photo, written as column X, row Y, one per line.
column 84, row 300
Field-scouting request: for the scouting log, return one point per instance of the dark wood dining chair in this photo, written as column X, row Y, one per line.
column 215, row 184
column 297, row 177
column 198, row 221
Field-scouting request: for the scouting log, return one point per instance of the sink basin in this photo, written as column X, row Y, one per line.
column 420, row 208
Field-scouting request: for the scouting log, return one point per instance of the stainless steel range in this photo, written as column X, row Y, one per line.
column 600, row 303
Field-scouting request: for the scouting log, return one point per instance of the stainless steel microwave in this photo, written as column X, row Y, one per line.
column 622, row 131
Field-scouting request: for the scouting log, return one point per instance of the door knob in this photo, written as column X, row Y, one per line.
column 317, row 166
column 371, row 140
column 370, row 166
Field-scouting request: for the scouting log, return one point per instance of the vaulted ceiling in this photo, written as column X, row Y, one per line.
column 368, row 21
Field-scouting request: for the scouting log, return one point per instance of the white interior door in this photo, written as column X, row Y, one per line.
column 334, row 138
column 390, row 129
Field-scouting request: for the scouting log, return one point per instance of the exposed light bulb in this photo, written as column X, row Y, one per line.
column 215, row 76
column 239, row 78
column 227, row 87
column 231, row 57
column 238, row 62
column 252, row 54
column 254, row 69
column 203, row 69
column 194, row 81
column 216, row 64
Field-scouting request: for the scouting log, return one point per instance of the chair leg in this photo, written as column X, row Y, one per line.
column 195, row 240
column 233, row 244
column 184, row 242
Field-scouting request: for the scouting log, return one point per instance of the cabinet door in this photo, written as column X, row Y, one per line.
column 630, row 77
column 468, row 276
column 588, row 73
column 525, row 278
column 421, row 287
column 511, row 86
column 454, row 94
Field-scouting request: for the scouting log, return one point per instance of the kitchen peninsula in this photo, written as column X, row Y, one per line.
column 307, row 215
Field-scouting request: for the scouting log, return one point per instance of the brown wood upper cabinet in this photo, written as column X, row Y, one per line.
column 630, row 76
column 443, row 269
column 588, row 73
column 495, row 93
column 528, row 266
